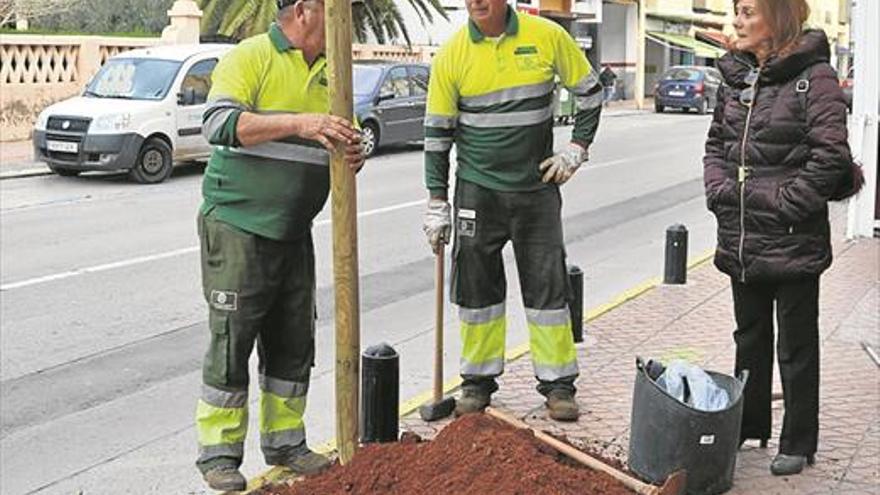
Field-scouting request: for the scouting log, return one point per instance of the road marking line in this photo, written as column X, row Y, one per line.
column 169, row 254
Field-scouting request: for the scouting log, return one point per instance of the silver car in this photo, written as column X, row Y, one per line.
column 389, row 101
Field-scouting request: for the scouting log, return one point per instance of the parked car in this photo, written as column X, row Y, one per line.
column 846, row 85
column 686, row 87
column 141, row 112
column 389, row 101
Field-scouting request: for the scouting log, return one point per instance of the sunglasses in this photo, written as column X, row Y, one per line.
column 747, row 96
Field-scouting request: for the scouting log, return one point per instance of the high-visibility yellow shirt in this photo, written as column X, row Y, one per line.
column 272, row 189
column 493, row 98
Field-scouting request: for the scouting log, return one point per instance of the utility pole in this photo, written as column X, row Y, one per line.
column 640, row 56
column 862, row 213
column 337, row 16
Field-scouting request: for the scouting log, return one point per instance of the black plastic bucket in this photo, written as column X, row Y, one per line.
column 667, row 435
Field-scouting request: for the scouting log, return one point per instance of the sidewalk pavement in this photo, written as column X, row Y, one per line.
column 695, row 321
column 17, row 160
column 17, row 157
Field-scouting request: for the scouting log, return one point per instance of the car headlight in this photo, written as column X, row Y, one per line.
column 112, row 122
column 42, row 121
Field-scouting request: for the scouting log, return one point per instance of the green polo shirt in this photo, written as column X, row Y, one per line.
column 272, row 189
column 493, row 99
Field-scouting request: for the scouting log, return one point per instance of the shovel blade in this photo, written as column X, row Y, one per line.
column 435, row 410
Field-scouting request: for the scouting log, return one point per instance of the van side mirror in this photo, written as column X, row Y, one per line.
column 187, row 97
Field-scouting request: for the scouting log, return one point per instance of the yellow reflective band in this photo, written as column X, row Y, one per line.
column 552, row 345
column 220, row 425
column 483, row 342
column 281, row 413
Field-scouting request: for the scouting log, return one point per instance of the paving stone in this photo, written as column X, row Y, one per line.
column 696, row 322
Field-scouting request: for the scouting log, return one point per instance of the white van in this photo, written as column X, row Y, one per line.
column 141, row 112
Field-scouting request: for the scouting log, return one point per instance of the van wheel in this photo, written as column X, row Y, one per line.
column 153, row 163
column 64, row 172
column 370, row 136
column 659, row 108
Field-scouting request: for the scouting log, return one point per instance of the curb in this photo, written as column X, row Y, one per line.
column 409, row 406
column 28, row 172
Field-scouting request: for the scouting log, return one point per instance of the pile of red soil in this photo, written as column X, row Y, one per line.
column 475, row 454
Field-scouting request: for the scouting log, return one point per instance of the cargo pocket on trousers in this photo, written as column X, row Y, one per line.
column 217, row 361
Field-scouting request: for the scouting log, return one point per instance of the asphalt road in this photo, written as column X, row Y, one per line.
column 103, row 324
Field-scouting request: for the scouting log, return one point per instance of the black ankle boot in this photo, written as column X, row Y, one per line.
column 786, row 464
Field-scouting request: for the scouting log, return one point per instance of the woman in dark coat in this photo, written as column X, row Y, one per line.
column 776, row 153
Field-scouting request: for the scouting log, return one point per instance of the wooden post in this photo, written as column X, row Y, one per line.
column 337, row 15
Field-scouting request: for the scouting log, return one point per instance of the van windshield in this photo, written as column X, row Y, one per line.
column 133, row 79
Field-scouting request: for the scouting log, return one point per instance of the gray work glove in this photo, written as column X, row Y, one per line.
column 561, row 166
column 437, row 224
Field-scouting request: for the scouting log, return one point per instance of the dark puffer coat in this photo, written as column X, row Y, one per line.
column 770, row 168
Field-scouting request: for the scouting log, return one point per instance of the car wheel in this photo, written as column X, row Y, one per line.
column 64, row 172
column 703, row 108
column 370, row 135
column 659, row 108
column 153, row 163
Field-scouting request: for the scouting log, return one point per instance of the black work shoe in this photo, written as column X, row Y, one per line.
column 471, row 401
column 785, row 464
column 304, row 461
column 562, row 405
column 225, row 479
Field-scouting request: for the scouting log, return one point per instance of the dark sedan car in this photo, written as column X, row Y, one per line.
column 686, row 87
column 389, row 102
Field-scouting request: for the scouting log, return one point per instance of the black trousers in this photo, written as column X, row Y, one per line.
column 797, row 317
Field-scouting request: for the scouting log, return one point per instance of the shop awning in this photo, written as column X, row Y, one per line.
column 703, row 21
column 716, row 38
column 687, row 43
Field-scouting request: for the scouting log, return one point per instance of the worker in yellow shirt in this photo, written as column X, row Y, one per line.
column 491, row 95
column 267, row 116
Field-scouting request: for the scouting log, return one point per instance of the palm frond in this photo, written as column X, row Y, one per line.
column 240, row 19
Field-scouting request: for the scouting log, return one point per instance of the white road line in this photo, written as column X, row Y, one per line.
column 169, row 254
column 97, row 268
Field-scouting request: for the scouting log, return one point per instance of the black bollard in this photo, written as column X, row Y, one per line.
column 675, row 268
column 576, row 305
column 380, row 394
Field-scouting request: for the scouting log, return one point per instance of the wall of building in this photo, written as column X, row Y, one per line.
column 617, row 40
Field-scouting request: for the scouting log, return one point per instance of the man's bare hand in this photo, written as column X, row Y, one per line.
column 354, row 154
column 326, row 129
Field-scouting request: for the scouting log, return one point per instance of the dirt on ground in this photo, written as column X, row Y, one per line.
column 475, row 454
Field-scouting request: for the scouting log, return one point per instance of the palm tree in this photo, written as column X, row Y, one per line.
column 238, row 19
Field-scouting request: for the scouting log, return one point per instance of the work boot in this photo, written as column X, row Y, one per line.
column 225, row 479
column 785, row 464
column 304, row 461
column 562, row 405
column 472, row 400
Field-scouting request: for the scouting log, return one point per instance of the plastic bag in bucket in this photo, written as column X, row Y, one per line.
column 667, row 435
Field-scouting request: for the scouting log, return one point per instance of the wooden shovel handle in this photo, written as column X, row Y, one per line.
column 587, row 460
column 438, row 324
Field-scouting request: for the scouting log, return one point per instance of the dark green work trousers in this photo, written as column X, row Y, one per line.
column 485, row 221
column 258, row 290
